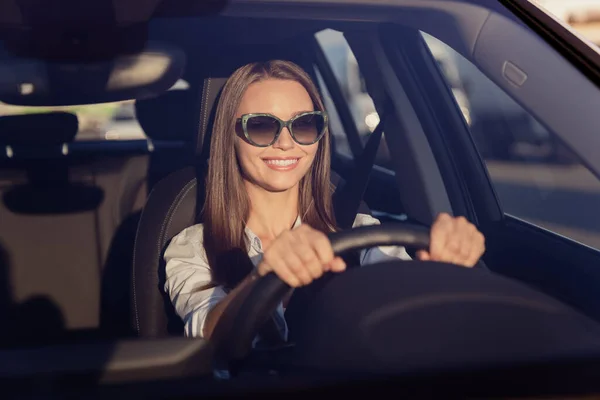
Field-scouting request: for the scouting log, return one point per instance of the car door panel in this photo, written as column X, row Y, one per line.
column 557, row 265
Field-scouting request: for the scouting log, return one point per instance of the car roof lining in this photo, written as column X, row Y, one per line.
column 247, row 26
column 238, row 24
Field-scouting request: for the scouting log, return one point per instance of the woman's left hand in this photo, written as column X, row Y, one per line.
column 454, row 240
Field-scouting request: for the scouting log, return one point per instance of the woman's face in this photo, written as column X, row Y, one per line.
column 282, row 165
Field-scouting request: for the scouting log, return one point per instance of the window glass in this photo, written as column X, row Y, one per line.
column 107, row 121
column 352, row 84
column 536, row 178
column 582, row 15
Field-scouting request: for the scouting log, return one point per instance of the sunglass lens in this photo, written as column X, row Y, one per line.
column 262, row 129
column 308, row 128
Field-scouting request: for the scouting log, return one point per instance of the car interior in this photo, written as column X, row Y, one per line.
column 84, row 224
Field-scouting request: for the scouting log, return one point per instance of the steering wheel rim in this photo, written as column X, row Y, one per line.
column 269, row 290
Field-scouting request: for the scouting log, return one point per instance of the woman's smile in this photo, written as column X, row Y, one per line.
column 282, row 163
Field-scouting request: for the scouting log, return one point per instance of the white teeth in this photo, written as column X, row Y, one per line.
column 282, row 163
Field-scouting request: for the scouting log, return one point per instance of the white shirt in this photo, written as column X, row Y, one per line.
column 187, row 269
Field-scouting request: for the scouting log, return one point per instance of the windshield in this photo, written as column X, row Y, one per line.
column 481, row 118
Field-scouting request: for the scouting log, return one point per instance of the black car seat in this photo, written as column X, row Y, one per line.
column 170, row 208
column 173, row 205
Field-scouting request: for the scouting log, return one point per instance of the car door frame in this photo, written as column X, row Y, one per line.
column 383, row 204
column 417, row 173
column 555, row 264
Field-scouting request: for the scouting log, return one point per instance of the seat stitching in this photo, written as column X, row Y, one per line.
column 175, row 203
column 137, row 233
column 179, row 203
column 182, row 193
column 205, row 110
column 172, row 210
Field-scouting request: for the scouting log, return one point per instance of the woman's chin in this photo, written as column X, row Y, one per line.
column 279, row 188
column 278, row 185
column 280, row 182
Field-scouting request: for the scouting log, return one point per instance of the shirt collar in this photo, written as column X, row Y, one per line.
column 298, row 222
column 255, row 242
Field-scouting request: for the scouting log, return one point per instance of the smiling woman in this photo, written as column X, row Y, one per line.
column 268, row 204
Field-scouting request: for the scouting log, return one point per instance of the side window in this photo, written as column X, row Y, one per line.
column 352, row 85
column 536, row 178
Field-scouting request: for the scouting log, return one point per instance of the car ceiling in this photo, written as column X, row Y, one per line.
column 117, row 27
column 124, row 12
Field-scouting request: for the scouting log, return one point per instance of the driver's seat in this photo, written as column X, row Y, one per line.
column 171, row 207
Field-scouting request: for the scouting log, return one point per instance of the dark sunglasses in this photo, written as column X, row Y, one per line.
column 263, row 130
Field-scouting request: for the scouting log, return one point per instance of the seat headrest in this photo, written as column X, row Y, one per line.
column 211, row 89
column 38, row 130
column 169, row 116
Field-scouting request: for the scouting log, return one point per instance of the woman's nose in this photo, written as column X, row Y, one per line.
column 284, row 141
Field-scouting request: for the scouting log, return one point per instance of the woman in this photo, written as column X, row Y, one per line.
column 268, row 205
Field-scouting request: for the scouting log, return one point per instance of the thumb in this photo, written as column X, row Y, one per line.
column 423, row 255
column 338, row 265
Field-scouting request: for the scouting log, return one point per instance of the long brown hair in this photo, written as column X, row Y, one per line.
column 227, row 206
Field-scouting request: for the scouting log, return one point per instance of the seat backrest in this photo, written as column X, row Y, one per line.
column 171, row 207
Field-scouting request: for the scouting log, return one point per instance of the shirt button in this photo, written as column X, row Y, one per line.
column 257, row 244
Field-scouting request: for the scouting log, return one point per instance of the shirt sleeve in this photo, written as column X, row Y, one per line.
column 382, row 253
column 187, row 271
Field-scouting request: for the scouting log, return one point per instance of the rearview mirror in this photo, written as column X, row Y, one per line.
column 35, row 82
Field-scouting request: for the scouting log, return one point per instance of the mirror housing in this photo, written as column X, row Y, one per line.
column 38, row 82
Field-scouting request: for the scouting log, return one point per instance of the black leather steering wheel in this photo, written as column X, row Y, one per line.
column 507, row 320
column 269, row 290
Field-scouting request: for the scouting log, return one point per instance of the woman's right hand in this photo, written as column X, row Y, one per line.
column 299, row 256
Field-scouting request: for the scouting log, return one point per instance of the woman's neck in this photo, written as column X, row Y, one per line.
column 271, row 213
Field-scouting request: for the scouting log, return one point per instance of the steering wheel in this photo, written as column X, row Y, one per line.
column 437, row 309
column 269, row 290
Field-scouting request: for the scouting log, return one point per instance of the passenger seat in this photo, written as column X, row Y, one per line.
column 58, row 214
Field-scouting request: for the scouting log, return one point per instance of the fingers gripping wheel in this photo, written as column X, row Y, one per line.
column 270, row 290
